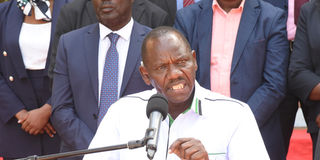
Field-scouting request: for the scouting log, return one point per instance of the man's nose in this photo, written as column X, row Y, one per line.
column 174, row 72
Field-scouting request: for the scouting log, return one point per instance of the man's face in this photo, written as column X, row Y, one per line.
column 113, row 13
column 170, row 67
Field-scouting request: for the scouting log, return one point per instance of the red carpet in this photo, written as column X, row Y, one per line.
column 300, row 145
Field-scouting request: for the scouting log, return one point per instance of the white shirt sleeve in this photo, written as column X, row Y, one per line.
column 246, row 142
column 106, row 135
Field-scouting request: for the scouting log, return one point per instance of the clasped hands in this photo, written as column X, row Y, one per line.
column 36, row 121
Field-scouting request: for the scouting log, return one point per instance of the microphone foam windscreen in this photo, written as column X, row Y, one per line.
column 157, row 102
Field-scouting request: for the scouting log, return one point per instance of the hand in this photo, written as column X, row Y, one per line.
column 37, row 120
column 48, row 128
column 22, row 115
column 318, row 120
column 189, row 149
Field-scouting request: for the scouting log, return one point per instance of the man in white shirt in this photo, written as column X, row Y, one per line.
column 200, row 124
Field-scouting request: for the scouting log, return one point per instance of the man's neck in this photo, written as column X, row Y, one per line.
column 227, row 5
column 176, row 109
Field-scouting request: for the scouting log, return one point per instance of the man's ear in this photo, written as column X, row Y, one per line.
column 145, row 75
column 194, row 58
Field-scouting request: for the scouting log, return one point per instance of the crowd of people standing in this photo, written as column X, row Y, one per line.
column 63, row 63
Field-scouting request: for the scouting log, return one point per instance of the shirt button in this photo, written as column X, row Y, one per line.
column 5, row 53
column 95, row 116
column 11, row 78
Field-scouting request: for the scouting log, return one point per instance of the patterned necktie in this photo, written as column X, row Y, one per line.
column 187, row 2
column 109, row 87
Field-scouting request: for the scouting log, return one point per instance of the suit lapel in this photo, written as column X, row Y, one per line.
column 91, row 39
column 248, row 21
column 133, row 57
column 12, row 33
column 204, row 30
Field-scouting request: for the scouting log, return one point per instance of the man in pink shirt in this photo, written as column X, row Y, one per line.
column 242, row 52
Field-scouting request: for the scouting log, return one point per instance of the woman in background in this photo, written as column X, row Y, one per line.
column 26, row 29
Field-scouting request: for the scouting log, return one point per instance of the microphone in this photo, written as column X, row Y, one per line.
column 157, row 110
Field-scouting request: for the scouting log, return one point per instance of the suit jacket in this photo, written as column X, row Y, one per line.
column 304, row 68
column 18, row 94
column 75, row 86
column 259, row 64
column 170, row 6
column 283, row 4
column 80, row 13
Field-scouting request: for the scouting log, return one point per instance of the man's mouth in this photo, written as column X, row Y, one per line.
column 178, row 86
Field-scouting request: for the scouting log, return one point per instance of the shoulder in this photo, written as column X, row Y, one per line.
column 10, row 10
column 138, row 97
column 310, row 7
column 195, row 9
column 214, row 102
column 187, row 18
column 78, row 34
column 139, row 28
column 271, row 19
column 133, row 102
column 5, row 6
column 268, row 10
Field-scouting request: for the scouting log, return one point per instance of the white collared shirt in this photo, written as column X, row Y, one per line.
column 122, row 48
column 34, row 42
column 225, row 126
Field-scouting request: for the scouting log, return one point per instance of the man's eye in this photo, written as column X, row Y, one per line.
column 162, row 67
column 182, row 62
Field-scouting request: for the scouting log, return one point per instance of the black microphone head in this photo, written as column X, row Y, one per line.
column 157, row 102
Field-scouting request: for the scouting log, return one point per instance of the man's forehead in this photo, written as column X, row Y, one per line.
column 165, row 42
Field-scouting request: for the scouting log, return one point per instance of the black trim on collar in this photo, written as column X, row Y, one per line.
column 230, row 100
column 136, row 97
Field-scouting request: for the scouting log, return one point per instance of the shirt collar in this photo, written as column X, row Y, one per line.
column 215, row 5
column 195, row 105
column 196, row 102
column 124, row 32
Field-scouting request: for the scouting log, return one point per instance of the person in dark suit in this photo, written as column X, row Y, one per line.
column 258, row 61
column 80, row 13
column 78, row 84
column 171, row 7
column 304, row 67
column 25, row 106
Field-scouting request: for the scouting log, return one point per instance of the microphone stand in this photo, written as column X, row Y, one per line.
column 131, row 145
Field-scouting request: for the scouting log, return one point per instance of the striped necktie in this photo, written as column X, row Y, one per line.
column 187, row 2
column 109, row 86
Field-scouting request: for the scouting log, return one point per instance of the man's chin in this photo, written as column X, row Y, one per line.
column 178, row 98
